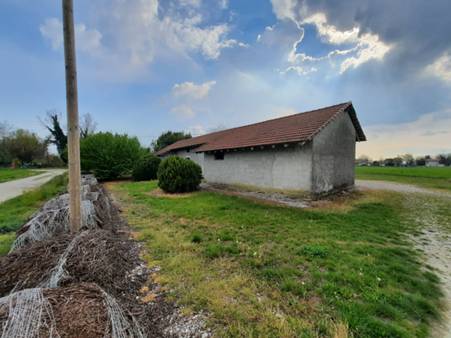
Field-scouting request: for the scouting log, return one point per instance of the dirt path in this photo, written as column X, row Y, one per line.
column 399, row 187
column 434, row 238
column 16, row 188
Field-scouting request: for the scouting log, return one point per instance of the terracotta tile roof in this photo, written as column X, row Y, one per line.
column 294, row 128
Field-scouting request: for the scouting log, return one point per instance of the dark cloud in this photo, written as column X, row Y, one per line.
column 419, row 29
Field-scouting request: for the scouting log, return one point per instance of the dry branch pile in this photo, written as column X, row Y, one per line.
column 56, row 284
column 53, row 218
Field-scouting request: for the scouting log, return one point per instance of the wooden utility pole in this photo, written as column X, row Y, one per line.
column 73, row 129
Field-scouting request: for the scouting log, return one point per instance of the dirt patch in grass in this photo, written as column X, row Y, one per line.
column 267, row 196
column 160, row 193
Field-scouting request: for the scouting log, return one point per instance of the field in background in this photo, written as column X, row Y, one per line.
column 15, row 212
column 7, row 174
column 263, row 270
column 436, row 178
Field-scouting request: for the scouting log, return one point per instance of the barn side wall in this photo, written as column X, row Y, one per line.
column 196, row 157
column 281, row 168
column 334, row 155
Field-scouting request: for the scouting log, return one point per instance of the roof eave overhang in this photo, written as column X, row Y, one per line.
column 360, row 135
column 256, row 147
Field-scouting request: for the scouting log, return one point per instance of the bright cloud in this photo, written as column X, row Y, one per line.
column 441, row 67
column 330, row 33
column 223, row 4
column 360, row 48
column 365, row 46
column 187, row 95
column 136, row 32
column 191, row 90
column 193, row 3
column 88, row 40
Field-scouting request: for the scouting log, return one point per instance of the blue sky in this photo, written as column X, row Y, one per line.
column 146, row 66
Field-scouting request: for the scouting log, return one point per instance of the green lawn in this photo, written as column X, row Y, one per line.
column 436, row 178
column 15, row 212
column 265, row 271
column 7, row 174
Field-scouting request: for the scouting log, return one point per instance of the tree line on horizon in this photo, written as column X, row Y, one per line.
column 407, row 160
column 24, row 148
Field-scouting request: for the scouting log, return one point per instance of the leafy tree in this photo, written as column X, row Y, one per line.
column 363, row 160
column 397, row 161
column 168, row 138
column 448, row 160
column 389, row 162
column 25, row 146
column 57, row 135
column 110, row 156
column 444, row 159
column 420, row 161
column 408, row 159
column 5, row 156
column 146, row 168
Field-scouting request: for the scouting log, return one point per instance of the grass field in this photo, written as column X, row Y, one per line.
column 7, row 174
column 265, row 271
column 14, row 212
column 436, row 178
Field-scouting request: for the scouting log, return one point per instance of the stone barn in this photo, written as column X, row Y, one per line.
column 312, row 151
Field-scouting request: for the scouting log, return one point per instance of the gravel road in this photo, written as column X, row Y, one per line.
column 434, row 239
column 15, row 188
column 399, row 187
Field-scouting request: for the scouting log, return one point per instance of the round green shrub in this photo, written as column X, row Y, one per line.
column 110, row 156
column 146, row 168
column 177, row 174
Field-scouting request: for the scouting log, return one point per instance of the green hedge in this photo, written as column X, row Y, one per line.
column 110, row 156
column 177, row 174
column 146, row 169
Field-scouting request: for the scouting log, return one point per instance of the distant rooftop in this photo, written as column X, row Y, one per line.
column 284, row 130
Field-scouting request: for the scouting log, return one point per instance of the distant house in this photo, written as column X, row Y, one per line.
column 430, row 162
column 312, row 151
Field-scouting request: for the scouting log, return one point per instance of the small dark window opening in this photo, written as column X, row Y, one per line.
column 219, row 156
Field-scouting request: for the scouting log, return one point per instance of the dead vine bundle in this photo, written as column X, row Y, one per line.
column 53, row 218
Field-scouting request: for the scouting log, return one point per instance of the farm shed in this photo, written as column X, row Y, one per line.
column 312, row 151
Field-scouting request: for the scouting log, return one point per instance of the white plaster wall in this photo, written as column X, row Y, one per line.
column 196, row 157
column 281, row 168
column 334, row 155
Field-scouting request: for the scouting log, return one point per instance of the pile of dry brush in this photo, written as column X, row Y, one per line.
column 90, row 284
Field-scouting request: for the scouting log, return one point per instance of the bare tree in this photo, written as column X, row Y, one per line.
column 53, row 123
column 87, row 125
column 5, row 129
